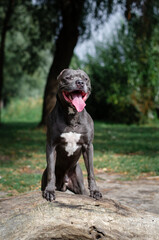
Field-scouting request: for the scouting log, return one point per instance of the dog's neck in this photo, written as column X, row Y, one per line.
column 70, row 114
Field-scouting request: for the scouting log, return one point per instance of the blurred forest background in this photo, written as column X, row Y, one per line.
column 38, row 39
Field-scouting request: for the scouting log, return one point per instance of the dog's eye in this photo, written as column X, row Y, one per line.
column 84, row 78
column 67, row 78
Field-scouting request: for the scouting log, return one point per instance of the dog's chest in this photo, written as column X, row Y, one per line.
column 71, row 142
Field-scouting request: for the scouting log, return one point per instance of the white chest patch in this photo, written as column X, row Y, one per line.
column 70, row 110
column 71, row 139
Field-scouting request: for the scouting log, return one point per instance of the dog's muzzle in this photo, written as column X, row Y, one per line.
column 77, row 98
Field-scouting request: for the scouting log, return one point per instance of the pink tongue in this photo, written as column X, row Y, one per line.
column 78, row 102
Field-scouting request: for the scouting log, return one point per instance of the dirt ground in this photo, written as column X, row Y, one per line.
column 140, row 194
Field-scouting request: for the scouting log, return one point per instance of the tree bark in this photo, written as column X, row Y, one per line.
column 29, row 216
column 64, row 47
column 2, row 47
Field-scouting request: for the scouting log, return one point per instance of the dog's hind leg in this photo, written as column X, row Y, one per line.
column 75, row 181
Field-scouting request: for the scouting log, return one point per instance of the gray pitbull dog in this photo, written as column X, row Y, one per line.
column 70, row 133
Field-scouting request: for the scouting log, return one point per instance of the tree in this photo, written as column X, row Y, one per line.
column 125, row 71
column 61, row 24
column 26, row 60
column 65, row 44
column 8, row 5
column 109, row 70
column 143, row 25
column 74, row 23
column 77, row 12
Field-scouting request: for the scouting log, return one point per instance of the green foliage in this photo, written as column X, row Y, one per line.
column 124, row 72
column 21, row 80
column 76, row 63
column 27, row 57
column 125, row 78
column 32, row 31
column 111, row 87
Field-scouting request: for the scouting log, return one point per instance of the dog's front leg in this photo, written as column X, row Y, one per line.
column 49, row 191
column 88, row 159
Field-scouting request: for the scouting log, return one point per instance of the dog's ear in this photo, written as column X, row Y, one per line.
column 58, row 77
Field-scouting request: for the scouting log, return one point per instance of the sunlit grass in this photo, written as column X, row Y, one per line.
column 28, row 110
column 22, row 156
column 132, row 151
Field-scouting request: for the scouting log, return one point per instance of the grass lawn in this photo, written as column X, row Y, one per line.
column 130, row 150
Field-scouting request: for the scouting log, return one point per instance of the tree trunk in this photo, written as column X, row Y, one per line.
column 78, row 217
column 2, row 47
column 64, row 47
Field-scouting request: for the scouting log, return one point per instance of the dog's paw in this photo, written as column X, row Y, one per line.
column 96, row 194
column 48, row 195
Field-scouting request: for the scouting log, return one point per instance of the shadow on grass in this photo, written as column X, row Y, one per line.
column 22, row 157
column 122, row 139
column 132, row 150
column 19, row 140
column 129, row 149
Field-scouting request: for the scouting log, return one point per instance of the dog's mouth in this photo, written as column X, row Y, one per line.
column 76, row 98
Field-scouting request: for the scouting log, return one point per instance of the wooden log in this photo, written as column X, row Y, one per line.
column 73, row 217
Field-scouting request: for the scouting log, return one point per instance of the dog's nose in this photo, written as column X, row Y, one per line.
column 79, row 83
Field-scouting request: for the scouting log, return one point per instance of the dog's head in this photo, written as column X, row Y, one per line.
column 74, row 88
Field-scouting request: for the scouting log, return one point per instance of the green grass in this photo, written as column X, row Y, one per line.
column 22, row 156
column 28, row 110
column 132, row 151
